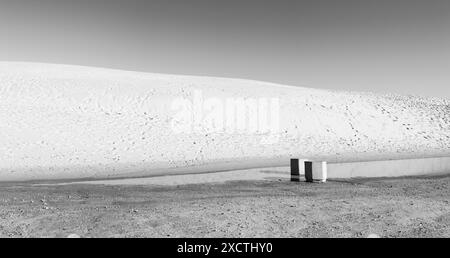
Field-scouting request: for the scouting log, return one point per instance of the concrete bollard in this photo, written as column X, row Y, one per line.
column 316, row 171
column 295, row 170
column 308, row 171
column 320, row 171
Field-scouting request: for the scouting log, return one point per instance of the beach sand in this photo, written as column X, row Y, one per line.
column 263, row 203
column 61, row 122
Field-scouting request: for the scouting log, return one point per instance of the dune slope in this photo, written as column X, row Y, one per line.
column 72, row 122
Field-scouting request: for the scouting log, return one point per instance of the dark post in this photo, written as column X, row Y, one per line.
column 308, row 171
column 295, row 171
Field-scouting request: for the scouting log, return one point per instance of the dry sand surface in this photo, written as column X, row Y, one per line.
column 72, row 122
column 267, row 207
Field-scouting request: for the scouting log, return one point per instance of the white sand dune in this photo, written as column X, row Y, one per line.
column 73, row 122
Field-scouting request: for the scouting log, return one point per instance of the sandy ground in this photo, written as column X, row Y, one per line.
column 63, row 121
column 264, row 206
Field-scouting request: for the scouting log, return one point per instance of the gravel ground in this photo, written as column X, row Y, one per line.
column 400, row 207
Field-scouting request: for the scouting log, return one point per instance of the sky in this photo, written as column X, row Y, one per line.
column 399, row 46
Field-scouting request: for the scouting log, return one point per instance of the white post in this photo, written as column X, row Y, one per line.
column 319, row 171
